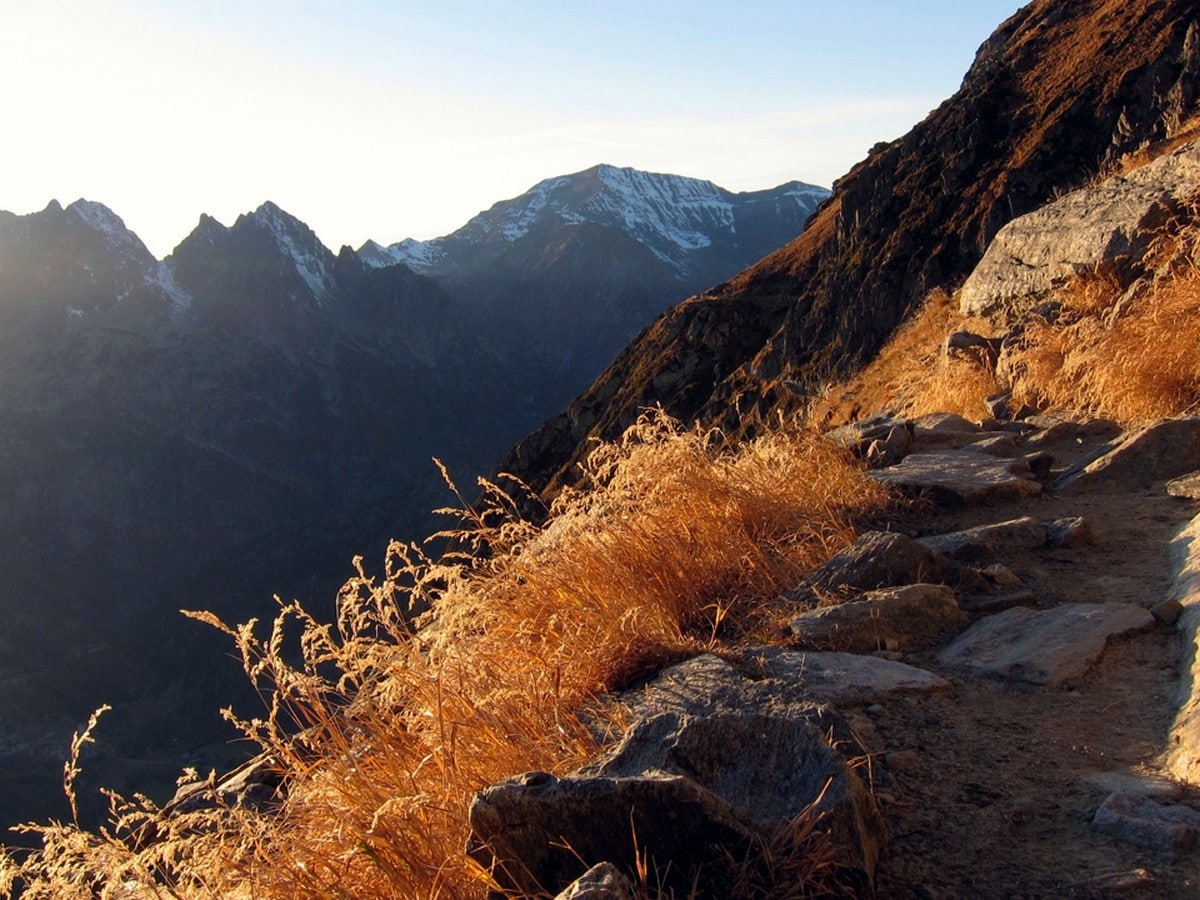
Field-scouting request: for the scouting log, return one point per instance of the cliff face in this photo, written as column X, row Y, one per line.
column 1058, row 93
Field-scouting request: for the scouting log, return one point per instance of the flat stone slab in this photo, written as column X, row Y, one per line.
column 848, row 679
column 1050, row 647
column 983, row 541
column 954, row 477
column 1162, row 451
column 1146, row 823
column 900, row 618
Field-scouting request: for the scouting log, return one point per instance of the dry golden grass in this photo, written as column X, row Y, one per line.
column 1132, row 364
column 911, row 376
column 674, row 541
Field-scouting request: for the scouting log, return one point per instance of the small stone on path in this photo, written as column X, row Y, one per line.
column 1188, row 486
column 1155, row 787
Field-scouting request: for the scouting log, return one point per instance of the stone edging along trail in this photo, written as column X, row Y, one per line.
column 1184, row 746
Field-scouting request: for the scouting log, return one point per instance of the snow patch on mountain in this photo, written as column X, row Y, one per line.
column 420, row 256
column 180, row 299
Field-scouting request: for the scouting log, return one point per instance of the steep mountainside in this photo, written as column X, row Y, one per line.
column 1056, row 94
column 573, row 268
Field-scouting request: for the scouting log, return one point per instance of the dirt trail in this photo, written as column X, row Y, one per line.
column 994, row 801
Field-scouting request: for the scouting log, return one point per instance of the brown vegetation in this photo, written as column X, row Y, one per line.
column 385, row 730
column 1132, row 356
column 911, row 375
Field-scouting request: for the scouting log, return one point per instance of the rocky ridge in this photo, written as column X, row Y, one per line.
column 1057, row 94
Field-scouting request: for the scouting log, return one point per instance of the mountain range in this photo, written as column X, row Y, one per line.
column 243, row 417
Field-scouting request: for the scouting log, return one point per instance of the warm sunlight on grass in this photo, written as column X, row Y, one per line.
column 675, row 541
column 1131, row 364
column 911, row 376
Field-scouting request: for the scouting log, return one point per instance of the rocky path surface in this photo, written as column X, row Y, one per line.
column 993, row 789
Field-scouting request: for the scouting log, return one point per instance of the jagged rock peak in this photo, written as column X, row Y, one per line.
column 313, row 260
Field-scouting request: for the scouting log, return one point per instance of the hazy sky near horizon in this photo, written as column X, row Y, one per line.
column 386, row 120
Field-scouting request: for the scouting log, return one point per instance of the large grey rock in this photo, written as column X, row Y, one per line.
column 1142, row 821
column 848, row 679
column 1158, row 452
column 984, row 541
column 879, row 559
column 692, row 796
column 1050, row 647
column 1184, row 741
column 905, row 618
column 1112, row 226
column 718, row 759
column 954, row 477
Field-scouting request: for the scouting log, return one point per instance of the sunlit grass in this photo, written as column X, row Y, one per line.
column 675, row 541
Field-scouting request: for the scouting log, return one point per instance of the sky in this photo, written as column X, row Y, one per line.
column 388, row 119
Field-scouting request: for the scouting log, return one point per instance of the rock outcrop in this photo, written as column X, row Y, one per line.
column 1109, row 229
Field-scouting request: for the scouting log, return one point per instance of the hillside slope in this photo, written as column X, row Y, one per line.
column 1058, row 93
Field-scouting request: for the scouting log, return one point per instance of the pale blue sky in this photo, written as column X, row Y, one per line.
column 392, row 120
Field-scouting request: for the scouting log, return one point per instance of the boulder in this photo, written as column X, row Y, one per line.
column 1067, row 532
column 881, row 440
column 879, row 559
column 1159, row 452
column 985, row 541
column 691, row 796
column 953, row 477
column 1050, row 647
column 1111, row 227
column 906, row 618
column 1139, row 820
